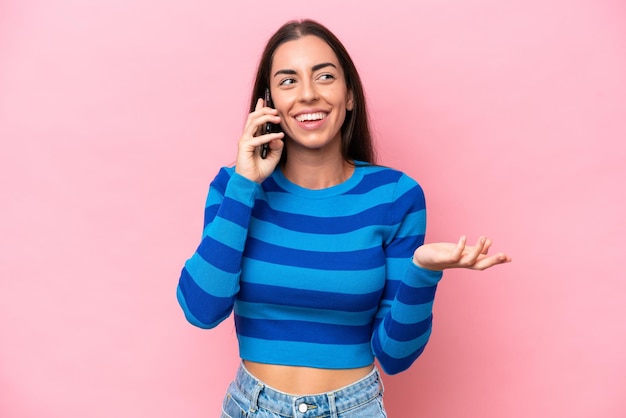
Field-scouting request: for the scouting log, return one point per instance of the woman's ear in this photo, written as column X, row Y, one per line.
column 350, row 101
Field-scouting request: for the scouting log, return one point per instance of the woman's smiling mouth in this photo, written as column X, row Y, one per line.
column 306, row 117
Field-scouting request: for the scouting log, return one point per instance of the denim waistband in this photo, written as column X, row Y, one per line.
column 313, row 405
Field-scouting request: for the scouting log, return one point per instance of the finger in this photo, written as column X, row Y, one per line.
column 491, row 261
column 255, row 141
column 488, row 243
column 275, row 147
column 476, row 251
column 258, row 119
column 251, row 127
column 259, row 104
column 457, row 253
column 273, row 139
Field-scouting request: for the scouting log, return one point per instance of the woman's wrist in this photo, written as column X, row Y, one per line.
column 424, row 266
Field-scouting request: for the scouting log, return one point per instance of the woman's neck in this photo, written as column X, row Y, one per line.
column 317, row 173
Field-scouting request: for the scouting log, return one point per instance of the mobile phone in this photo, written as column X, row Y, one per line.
column 269, row 127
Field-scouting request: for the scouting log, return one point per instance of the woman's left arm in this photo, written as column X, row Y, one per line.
column 404, row 319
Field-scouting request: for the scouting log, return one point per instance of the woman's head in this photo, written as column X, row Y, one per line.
column 355, row 133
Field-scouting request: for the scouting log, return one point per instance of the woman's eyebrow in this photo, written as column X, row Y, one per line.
column 289, row 72
column 314, row 68
column 323, row 65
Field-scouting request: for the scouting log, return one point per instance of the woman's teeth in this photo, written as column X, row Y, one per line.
column 310, row 116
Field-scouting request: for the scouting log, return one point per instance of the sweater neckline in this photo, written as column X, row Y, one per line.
column 338, row 189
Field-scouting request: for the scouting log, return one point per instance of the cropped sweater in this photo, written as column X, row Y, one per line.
column 317, row 278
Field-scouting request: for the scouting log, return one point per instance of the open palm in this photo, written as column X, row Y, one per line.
column 446, row 255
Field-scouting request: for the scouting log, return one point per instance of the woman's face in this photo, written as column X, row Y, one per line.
column 309, row 91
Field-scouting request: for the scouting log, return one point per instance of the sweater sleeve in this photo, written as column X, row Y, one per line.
column 404, row 319
column 209, row 280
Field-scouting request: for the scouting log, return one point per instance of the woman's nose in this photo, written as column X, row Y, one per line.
column 308, row 92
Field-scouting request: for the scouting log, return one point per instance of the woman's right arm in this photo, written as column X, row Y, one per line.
column 209, row 280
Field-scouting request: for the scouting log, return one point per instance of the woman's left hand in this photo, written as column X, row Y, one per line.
column 447, row 255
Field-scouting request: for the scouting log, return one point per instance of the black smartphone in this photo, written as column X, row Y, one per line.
column 269, row 127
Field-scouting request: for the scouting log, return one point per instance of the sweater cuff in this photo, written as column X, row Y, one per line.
column 417, row 276
column 241, row 189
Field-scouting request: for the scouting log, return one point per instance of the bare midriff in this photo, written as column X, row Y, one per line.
column 297, row 380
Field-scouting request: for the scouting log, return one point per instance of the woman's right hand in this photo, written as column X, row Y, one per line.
column 249, row 162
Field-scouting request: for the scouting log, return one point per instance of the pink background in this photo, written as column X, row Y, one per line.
column 115, row 115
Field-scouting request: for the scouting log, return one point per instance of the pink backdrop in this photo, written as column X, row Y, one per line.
column 115, row 115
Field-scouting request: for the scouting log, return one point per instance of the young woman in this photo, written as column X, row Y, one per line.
column 319, row 252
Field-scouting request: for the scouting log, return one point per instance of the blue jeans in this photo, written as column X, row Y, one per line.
column 249, row 397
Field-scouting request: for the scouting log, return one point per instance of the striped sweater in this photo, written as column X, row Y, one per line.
column 317, row 278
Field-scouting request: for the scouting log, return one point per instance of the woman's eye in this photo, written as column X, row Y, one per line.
column 287, row 81
column 326, row 77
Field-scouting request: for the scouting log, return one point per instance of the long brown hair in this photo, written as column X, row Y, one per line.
column 355, row 131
